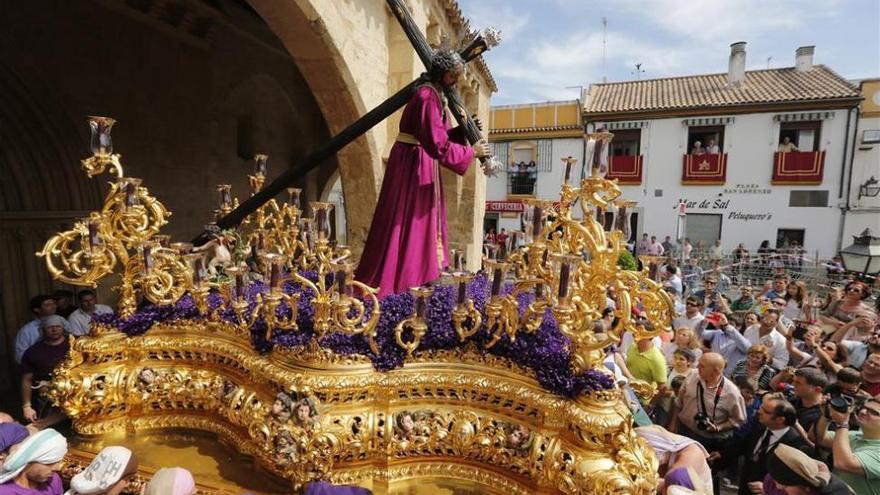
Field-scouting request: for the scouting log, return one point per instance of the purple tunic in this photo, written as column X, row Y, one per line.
column 52, row 487
column 402, row 247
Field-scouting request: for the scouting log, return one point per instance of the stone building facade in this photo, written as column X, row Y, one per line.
column 198, row 87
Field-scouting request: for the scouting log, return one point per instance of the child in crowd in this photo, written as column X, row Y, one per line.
column 682, row 363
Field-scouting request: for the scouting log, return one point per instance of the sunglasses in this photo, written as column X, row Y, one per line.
column 779, row 303
column 854, row 289
column 693, row 305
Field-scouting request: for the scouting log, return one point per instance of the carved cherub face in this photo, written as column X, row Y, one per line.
column 277, row 407
column 147, row 376
column 303, row 412
column 407, row 424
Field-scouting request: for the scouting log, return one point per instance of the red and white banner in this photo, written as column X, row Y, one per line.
column 705, row 169
column 626, row 169
column 798, row 167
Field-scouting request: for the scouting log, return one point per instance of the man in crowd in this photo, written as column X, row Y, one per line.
column 780, row 284
column 88, row 307
column 37, row 365
column 726, row 341
column 712, row 148
column 710, row 407
column 672, row 279
column 41, row 306
column 686, row 249
column 645, row 362
column 691, row 274
column 692, row 315
column 644, row 242
column 786, row 146
column 709, row 294
column 871, row 375
column 809, row 384
column 765, row 333
column 856, row 454
column 715, row 252
column 64, row 302
column 776, row 418
column 655, row 248
column 668, row 246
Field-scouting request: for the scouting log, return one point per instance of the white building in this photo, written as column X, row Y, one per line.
column 863, row 185
column 746, row 191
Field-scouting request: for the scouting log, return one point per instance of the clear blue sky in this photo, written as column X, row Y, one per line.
column 551, row 44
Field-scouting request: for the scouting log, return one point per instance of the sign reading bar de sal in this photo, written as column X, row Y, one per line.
column 504, row 207
column 722, row 204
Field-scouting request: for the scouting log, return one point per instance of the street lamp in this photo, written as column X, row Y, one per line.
column 870, row 188
column 863, row 255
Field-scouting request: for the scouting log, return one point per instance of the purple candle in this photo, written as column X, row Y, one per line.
column 275, row 277
column 198, row 269
column 564, row 274
column 261, row 242
column 539, row 291
column 342, row 281
column 239, row 286
column 537, row 222
column 130, row 194
column 148, row 258
column 497, row 279
column 94, row 240
column 568, row 162
column 462, row 292
column 260, row 165
column 421, row 306
column 294, row 195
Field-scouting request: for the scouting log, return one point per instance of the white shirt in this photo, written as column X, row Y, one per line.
column 716, row 253
column 774, row 341
column 692, row 323
column 686, row 250
column 79, row 320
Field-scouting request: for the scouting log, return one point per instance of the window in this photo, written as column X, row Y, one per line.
column 787, row 238
column 815, row 199
column 626, row 142
column 871, row 136
column 703, row 227
column 804, row 135
column 708, row 137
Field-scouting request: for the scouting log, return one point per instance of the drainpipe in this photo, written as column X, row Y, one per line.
column 843, row 167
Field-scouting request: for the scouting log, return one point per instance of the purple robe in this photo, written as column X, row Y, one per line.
column 402, row 247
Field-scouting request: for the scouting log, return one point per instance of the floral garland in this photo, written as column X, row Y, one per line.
column 545, row 351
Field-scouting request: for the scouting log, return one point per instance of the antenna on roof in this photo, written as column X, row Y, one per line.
column 604, row 29
column 638, row 72
column 768, row 61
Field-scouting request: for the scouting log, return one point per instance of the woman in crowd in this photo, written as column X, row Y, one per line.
column 684, row 339
column 796, row 302
column 827, row 356
column 32, row 467
column 755, row 367
column 108, row 474
column 847, row 310
column 171, row 481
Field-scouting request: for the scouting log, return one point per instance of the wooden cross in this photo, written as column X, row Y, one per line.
column 481, row 43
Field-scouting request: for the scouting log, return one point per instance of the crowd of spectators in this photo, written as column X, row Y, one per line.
column 770, row 388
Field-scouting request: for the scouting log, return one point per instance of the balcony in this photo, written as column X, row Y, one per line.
column 521, row 183
column 803, row 168
column 704, row 170
column 627, row 169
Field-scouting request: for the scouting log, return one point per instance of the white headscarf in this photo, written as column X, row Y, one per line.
column 45, row 447
column 108, row 467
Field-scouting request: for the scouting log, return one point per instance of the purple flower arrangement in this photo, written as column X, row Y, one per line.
column 545, row 351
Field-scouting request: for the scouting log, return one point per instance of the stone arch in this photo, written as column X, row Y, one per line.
column 325, row 39
column 41, row 190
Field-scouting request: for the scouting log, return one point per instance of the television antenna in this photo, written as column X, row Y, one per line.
column 639, row 71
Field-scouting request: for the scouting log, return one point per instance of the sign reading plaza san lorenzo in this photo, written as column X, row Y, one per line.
column 754, row 155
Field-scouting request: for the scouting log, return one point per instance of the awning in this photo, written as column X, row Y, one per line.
column 705, row 121
column 803, row 116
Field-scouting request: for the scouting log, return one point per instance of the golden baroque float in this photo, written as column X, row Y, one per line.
column 248, row 359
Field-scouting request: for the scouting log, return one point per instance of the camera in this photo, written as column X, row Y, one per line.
column 840, row 403
column 702, row 421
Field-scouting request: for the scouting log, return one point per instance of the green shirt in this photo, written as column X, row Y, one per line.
column 649, row 366
column 868, row 452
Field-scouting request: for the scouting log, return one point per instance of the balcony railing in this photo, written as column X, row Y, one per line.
column 798, row 167
column 704, row 169
column 627, row 169
column 521, row 183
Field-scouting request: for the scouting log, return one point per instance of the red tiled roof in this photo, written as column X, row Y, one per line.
column 712, row 91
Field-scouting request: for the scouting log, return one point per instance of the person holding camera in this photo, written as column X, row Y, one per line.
column 856, row 453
